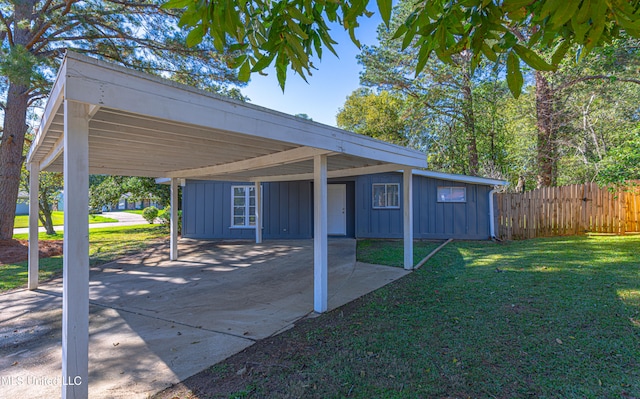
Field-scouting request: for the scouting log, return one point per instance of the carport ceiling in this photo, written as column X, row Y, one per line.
column 142, row 125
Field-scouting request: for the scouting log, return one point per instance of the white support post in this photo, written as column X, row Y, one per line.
column 320, row 283
column 258, row 191
column 407, row 183
column 34, row 208
column 75, row 286
column 173, row 240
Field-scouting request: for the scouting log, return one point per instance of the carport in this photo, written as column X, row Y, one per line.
column 106, row 119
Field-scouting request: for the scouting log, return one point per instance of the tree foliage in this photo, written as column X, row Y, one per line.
column 138, row 34
column 622, row 163
column 561, row 130
column 443, row 106
column 50, row 186
column 290, row 32
column 374, row 115
column 108, row 190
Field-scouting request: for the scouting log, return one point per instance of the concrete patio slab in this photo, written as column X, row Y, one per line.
column 154, row 322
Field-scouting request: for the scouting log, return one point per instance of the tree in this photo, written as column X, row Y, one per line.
column 556, row 92
column 374, row 115
column 50, row 187
column 107, row 190
column 442, row 103
column 622, row 163
column 137, row 34
column 290, row 33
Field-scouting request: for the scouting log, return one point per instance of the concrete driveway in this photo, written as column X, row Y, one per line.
column 154, row 322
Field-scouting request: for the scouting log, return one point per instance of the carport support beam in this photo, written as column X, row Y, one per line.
column 258, row 192
column 75, row 274
column 34, row 208
column 173, row 239
column 320, row 283
column 407, row 207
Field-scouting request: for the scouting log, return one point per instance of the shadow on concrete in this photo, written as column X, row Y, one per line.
column 154, row 322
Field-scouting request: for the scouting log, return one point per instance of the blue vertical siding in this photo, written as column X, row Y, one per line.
column 431, row 219
column 376, row 223
column 288, row 210
column 207, row 210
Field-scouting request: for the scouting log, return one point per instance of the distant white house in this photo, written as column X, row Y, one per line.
column 126, row 203
column 22, row 206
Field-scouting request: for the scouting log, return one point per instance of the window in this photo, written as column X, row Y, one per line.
column 243, row 206
column 452, row 194
column 386, row 195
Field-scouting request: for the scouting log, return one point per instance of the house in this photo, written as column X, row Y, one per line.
column 22, row 206
column 367, row 206
column 126, row 203
column 101, row 118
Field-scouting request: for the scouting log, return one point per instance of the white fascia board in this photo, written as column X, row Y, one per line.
column 332, row 174
column 295, row 155
column 54, row 102
column 96, row 82
column 167, row 181
column 460, row 178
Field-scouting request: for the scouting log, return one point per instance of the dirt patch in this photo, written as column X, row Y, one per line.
column 13, row 251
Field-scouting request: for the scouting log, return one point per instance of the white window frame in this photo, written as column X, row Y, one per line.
column 247, row 206
column 450, row 189
column 386, row 196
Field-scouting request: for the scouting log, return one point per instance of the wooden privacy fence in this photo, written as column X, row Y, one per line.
column 567, row 210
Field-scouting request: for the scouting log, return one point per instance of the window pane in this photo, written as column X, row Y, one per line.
column 238, row 191
column 452, row 194
column 252, row 201
column 458, row 194
column 379, row 200
column 238, row 201
column 393, row 195
column 238, row 220
column 238, row 211
column 444, row 194
column 252, row 220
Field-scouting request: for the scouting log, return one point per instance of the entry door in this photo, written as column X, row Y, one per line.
column 337, row 209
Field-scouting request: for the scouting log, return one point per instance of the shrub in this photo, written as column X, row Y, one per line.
column 165, row 218
column 150, row 214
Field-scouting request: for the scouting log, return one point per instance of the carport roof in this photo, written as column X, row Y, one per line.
column 143, row 125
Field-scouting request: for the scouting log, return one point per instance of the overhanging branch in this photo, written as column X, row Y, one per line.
column 598, row 77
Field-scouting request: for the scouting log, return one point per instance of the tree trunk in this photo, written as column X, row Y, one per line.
column 469, row 123
column 45, row 215
column 546, row 157
column 11, row 147
column 15, row 127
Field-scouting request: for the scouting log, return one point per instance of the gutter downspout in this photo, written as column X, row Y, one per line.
column 492, row 227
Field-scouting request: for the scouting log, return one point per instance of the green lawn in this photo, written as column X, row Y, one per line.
column 390, row 253
column 58, row 219
column 105, row 245
column 543, row 318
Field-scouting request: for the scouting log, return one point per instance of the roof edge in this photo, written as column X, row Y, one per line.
column 460, row 178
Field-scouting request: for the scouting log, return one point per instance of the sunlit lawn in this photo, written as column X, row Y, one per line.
column 543, row 318
column 105, row 244
column 57, row 218
column 390, row 253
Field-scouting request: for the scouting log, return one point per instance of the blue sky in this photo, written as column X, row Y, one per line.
column 329, row 85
